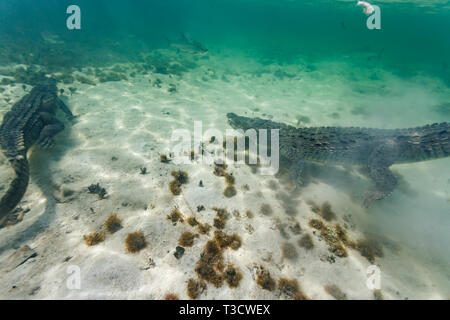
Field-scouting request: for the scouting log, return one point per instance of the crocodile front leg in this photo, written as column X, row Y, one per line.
column 51, row 128
column 65, row 109
column 296, row 173
column 385, row 182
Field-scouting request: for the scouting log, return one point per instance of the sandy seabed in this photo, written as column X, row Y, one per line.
column 123, row 126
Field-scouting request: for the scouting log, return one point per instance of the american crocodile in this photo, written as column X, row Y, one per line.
column 375, row 149
column 31, row 120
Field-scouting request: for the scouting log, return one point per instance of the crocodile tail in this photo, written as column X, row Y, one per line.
column 17, row 188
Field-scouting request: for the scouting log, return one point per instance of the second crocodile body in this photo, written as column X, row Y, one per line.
column 31, row 121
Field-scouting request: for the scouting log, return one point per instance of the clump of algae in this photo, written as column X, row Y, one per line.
column 329, row 235
column 291, row 289
column 187, row 239
column 337, row 239
column 306, row 242
column 175, row 216
column 135, row 241
column 113, row 223
column 180, row 178
column 195, row 288
column 211, row 265
column 265, row 280
column 94, row 238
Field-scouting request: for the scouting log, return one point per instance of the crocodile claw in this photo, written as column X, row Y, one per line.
column 45, row 142
column 72, row 118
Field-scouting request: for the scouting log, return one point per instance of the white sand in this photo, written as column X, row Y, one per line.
column 133, row 121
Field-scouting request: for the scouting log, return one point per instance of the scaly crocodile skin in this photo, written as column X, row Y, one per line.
column 377, row 149
column 31, row 120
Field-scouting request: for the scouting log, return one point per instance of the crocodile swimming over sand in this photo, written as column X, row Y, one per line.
column 31, row 121
column 375, row 149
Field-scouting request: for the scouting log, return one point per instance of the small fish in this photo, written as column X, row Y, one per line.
column 51, row 38
column 368, row 9
column 188, row 45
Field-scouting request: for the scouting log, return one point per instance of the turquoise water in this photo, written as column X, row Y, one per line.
column 136, row 72
column 413, row 38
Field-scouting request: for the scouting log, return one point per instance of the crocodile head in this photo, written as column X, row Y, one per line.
column 235, row 121
column 244, row 123
column 48, row 84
